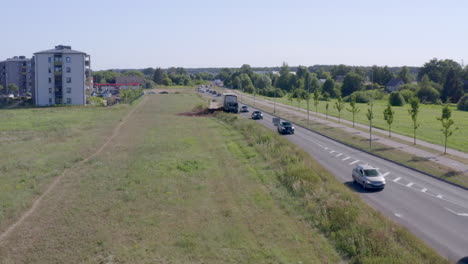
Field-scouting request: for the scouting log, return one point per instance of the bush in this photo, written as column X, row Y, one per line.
column 361, row 97
column 407, row 94
column 428, row 95
column 396, row 99
column 409, row 86
column 463, row 103
column 129, row 95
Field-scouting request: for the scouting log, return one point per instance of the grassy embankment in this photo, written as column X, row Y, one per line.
column 377, row 148
column 429, row 130
column 178, row 189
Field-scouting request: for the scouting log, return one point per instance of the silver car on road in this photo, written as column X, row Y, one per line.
column 368, row 177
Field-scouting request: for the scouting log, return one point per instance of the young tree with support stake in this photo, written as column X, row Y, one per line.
column 413, row 112
column 326, row 110
column 316, row 99
column 370, row 117
column 339, row 106
column 447, row 122
column 388, row 116
column 354, row 108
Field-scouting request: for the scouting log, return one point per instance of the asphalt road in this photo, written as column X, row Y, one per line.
column 433, row 210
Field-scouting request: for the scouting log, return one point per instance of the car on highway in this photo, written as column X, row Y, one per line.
column 285, row 128
column 257, row 115
column 163, row 92
column 368, row 177
column 244, row 109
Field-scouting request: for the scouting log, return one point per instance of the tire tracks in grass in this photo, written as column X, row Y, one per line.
column 4, row 234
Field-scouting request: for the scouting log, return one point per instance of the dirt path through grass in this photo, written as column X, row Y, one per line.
column 54, row 183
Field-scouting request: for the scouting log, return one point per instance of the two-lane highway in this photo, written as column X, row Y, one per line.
column 435, row 211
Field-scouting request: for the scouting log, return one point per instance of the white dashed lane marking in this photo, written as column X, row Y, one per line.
column 339, row 155
column 424, row 190
column 397, row 179
column 354, row 162
column 346, row 158
column 409, row 184
column 385, row 174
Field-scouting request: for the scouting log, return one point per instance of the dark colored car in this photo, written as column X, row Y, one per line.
column 163, row 92
column 244, row 109
column 257, row 115
column 285, row 128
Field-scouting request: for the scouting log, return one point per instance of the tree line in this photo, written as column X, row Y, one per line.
column 437, row 81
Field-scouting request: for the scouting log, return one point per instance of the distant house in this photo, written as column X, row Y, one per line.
column 339, row 78
column 129, row 81
column 393, row 84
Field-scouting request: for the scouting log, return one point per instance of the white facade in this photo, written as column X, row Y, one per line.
column 60, row 77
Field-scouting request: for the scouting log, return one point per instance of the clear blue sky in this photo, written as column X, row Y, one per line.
column 209, row 33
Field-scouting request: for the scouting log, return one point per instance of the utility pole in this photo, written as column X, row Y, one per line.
column 242, row 91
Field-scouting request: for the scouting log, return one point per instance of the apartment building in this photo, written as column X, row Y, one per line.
column 62, row 76
column 17, row 70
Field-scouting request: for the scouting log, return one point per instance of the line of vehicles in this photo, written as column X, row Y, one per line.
column 363, row 174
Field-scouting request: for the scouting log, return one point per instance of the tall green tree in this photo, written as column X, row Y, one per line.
column 263, row 82
column 453, row 86
column 158, row 76
column 339, row 106
column 1, row 88
column 404, row 74
column 446, row 122
column 328, row 87
column 413, row 112
column 352, row 82
column 389, row 114
column 284, row 80
column 354, row 109
column 437, row 70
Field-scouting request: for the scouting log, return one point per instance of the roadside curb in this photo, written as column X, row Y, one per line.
column 368, row 152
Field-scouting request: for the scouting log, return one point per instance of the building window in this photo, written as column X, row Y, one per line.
column 68, row 69
column 68, row 59
column 49, row 59
column 50, row 71
column 68, row 89
column 50, row 80
column 58, row 59
column 50, row 90
column 68, row 79
column 50, row 100
column 68, row 100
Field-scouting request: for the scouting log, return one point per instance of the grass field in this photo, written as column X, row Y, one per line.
column 177, row 189
column 37, row 144
column 429, row 130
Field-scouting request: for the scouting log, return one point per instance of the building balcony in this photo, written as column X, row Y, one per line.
column 58, row 73
column 58, row 63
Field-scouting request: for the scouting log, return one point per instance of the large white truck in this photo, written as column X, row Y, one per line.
column 227, row 103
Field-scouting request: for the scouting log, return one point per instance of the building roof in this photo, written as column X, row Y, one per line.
column 60, row 49
column 129, row 79
column 395, row 82
column 17, row 58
